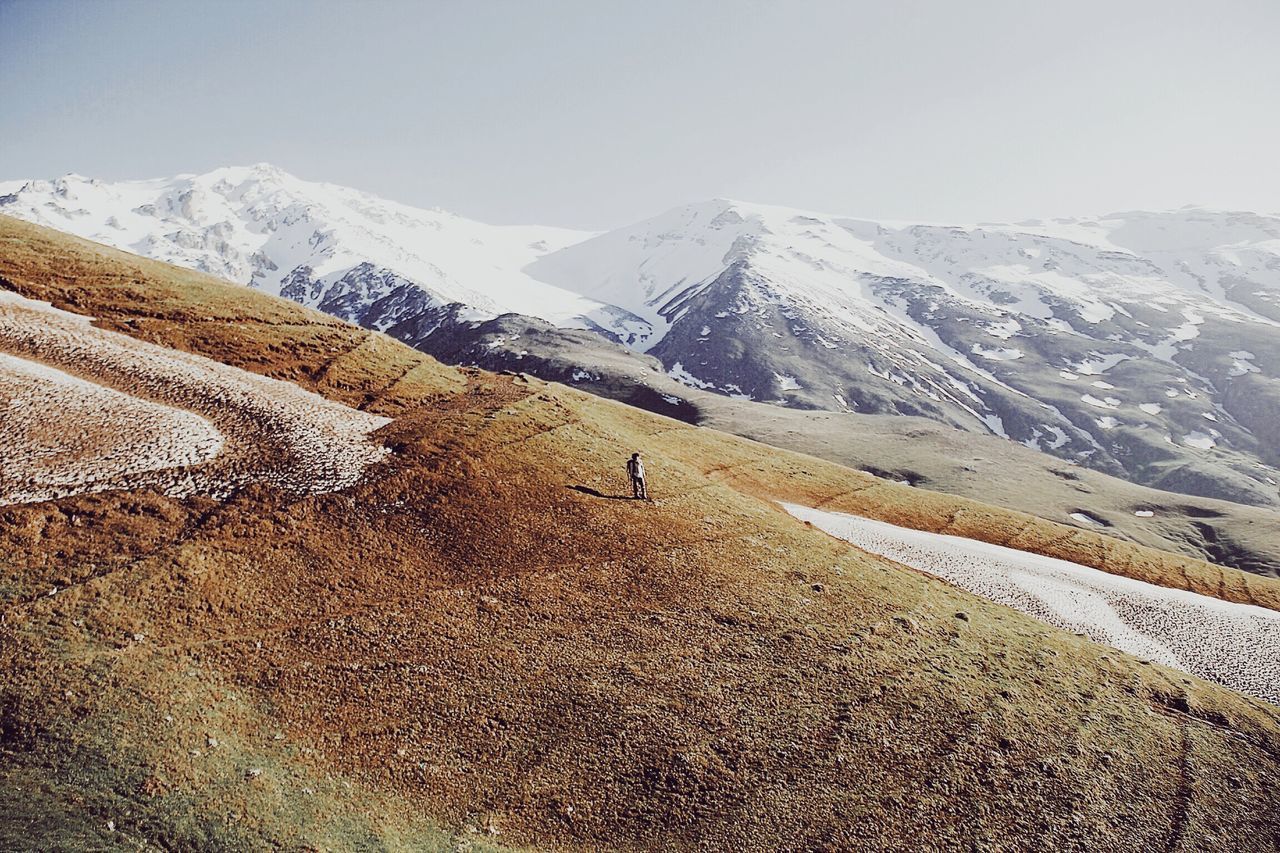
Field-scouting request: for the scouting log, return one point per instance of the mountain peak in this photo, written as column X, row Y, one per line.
column 256, row 172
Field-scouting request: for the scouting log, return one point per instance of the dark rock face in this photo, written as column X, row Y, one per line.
column 516, row 343
column 367, row 295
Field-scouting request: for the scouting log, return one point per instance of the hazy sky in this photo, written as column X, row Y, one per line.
column 595, row 114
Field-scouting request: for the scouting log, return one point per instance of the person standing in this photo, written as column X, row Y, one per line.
column 635, row 470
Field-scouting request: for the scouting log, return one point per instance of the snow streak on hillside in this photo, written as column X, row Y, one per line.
column 84, row 409
column 1236, row 645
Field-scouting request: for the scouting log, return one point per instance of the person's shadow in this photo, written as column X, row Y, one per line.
column 587, row 490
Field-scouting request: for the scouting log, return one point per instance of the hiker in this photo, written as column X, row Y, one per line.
column 635, row 470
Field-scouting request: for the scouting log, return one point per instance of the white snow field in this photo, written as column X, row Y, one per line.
column 1235, row 645
column 259, row 225
column 87, row 409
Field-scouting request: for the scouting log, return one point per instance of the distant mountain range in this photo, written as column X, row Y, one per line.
column 1143, row 344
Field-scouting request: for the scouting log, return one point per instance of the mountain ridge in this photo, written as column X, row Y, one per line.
column 1143, row 345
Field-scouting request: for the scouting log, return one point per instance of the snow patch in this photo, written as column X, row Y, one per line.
column 1106, row 403
column 1199, row 440
column 678, row 373
column 996, row 354
column 1099, row 363
column 1003, row 330
column 1059, row 437
column 1152, row 622
column 995, row 424
column 1242, row 363
column 787, row 383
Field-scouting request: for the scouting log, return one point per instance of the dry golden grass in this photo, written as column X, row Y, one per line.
column 478, row 634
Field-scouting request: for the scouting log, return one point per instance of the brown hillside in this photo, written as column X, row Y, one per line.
column 479, row 636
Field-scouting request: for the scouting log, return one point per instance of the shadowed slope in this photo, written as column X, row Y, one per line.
column 463, row 636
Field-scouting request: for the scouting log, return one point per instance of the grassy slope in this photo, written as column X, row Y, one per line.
column 467, row 638
column 999, row 471
column 927, row 454
column 996, row 471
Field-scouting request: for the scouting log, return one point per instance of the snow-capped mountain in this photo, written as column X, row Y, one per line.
column 364, row 258
column 1141, row 344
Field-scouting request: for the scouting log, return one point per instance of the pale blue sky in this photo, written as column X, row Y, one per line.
column 595, row 114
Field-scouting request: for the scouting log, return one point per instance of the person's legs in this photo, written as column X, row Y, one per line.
column 643, row 489
column 635, row 488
